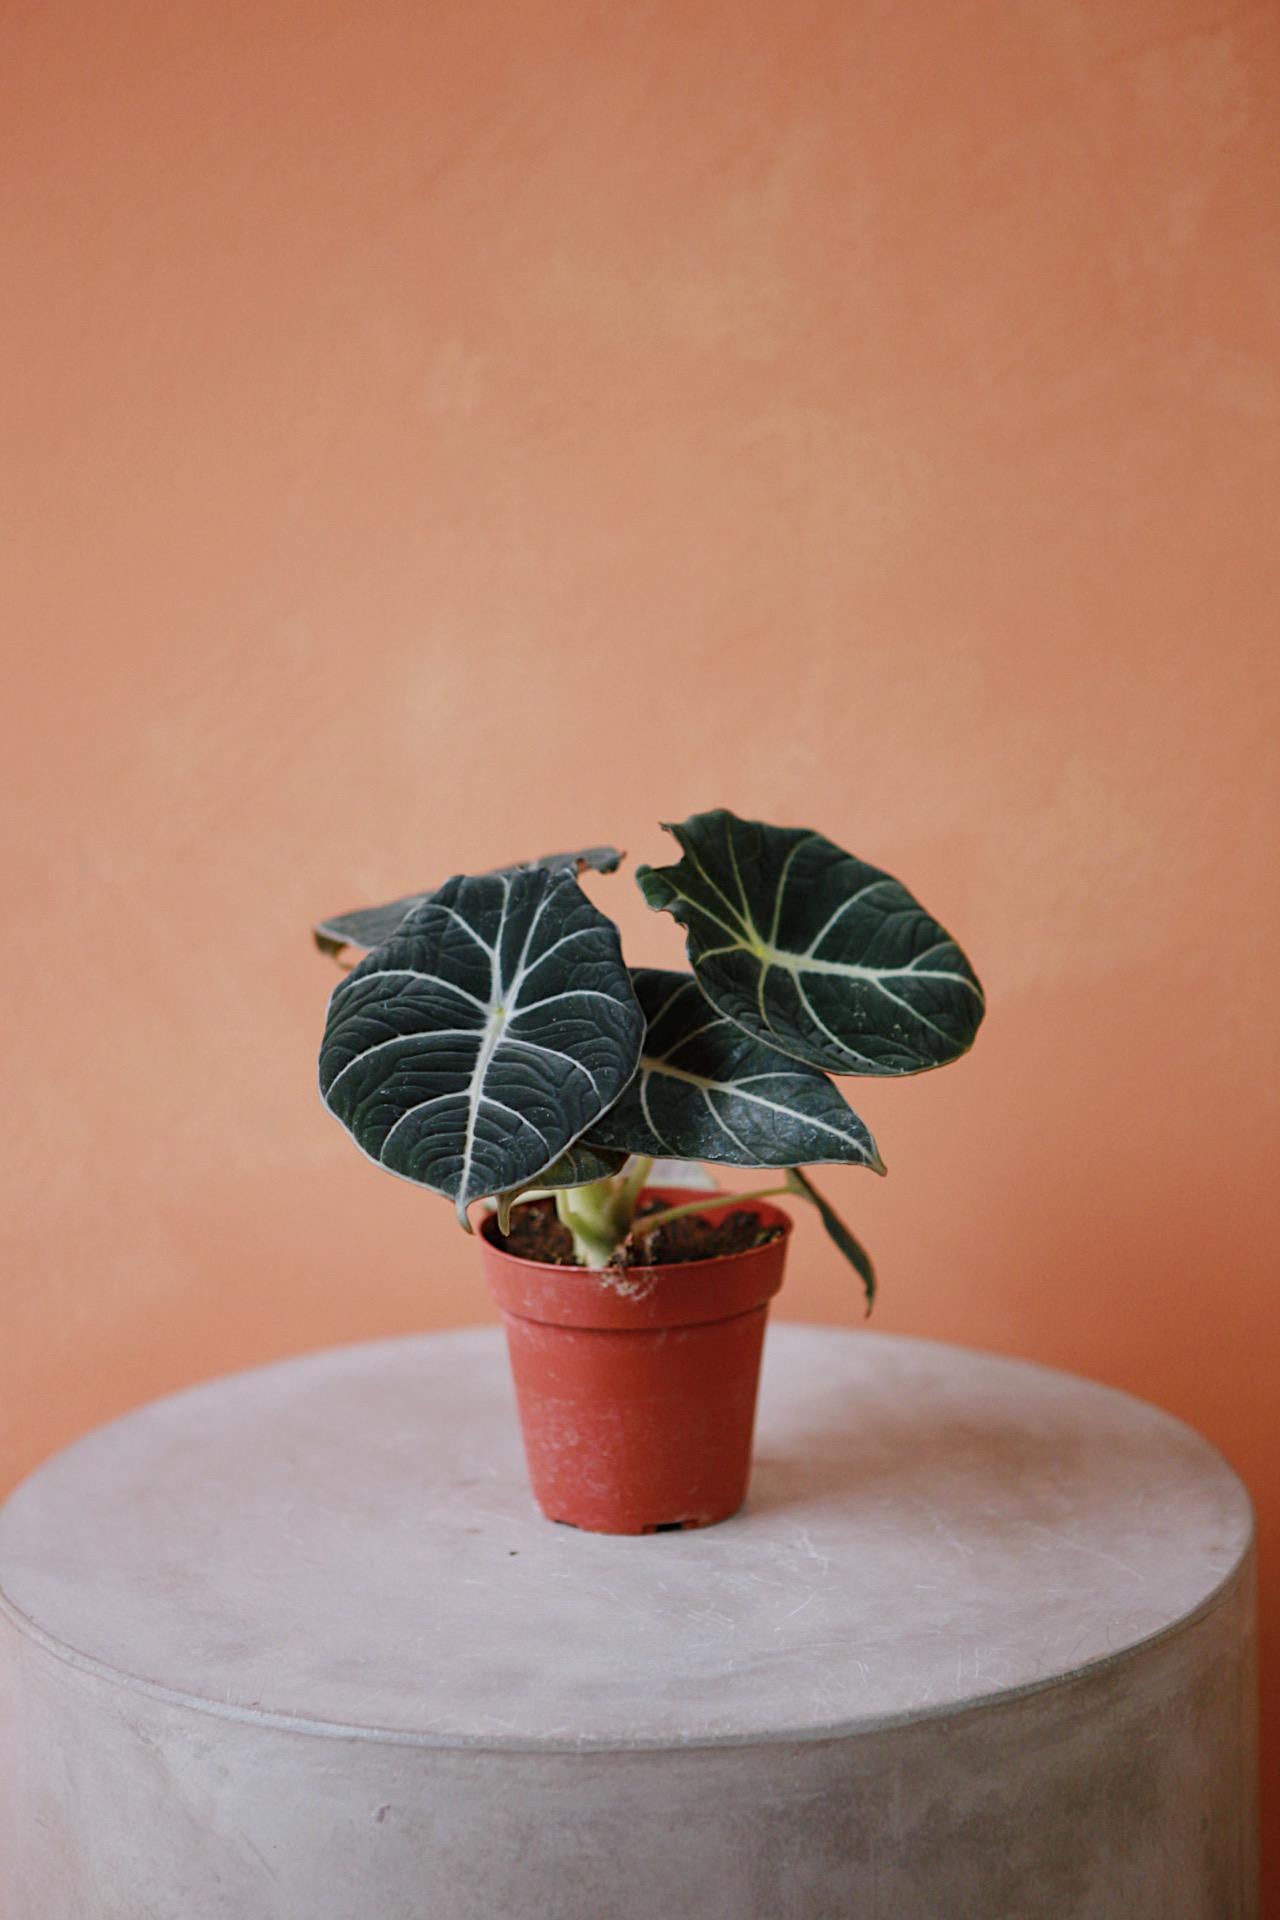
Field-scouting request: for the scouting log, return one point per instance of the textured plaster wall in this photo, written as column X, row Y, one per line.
column 435, row 434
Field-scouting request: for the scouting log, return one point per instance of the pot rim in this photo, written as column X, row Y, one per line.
column 771, row 1215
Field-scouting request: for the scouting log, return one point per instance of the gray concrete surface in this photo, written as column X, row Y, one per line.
column 296, row 1646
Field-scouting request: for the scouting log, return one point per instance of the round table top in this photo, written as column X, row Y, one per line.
column 346, row 1541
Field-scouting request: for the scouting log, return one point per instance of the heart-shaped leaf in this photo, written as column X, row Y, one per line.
column 815, row 952
column 470, row 1050
column 367, row 927
column 708, row 1091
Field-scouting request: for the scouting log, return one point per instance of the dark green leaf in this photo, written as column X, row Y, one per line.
column 367, row 927
column 473, row 1047
column 708, row 1091
column 853, row 1250
column 582, row 1166
column 815, row 952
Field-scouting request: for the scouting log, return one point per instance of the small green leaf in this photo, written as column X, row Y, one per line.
column 580, row 1166
column 367, row 927
column 853, row 1250
column 470, row 1050
column 815, row 952
column 708, row 1091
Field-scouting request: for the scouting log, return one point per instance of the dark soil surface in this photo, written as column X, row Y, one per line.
column 537, row 1234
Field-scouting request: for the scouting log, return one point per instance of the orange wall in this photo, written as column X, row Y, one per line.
column 440, row 433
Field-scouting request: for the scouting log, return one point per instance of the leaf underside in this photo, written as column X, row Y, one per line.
column 851, row 1247
column 813, row 951
column 581, row 1166
column 367, row 927
column 706, row 1090
column 469, row 1051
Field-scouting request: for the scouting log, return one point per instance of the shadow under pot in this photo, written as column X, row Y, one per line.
column 637, row 1386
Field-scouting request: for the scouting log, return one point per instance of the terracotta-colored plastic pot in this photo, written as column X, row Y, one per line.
column 637, row 1387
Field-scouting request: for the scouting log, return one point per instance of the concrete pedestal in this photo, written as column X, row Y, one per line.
column 296, row 1646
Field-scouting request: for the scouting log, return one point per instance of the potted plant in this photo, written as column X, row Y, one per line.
column 493, row 1045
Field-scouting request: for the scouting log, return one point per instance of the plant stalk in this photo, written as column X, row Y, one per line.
column 705, row 1205
column 588, row 1213
column 632, row 1185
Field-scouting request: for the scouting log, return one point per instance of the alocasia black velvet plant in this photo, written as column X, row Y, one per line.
column 493, row 1043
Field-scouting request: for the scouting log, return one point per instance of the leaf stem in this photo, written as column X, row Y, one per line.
column 580, row 1209
column 630, row 1187
column 650, row 1220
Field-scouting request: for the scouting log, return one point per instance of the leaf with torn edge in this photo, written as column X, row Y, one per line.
column 367, row 927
